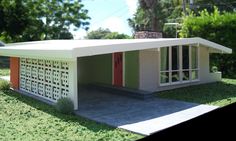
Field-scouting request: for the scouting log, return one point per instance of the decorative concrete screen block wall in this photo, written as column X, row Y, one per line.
column 46, row 78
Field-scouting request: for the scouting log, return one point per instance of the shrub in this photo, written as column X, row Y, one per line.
column 4, row 85
column 214, row 69
column 65, row 105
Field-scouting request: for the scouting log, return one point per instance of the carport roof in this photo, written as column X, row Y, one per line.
column 70, row 49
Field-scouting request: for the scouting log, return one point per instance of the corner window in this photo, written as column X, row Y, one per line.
column 178, row 64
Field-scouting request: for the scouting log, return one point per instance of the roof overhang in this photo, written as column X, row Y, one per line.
column 71, row 49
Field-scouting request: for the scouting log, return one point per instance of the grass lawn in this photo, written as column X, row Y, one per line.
column 23, row 118
column 4, row 72
column 219, row 94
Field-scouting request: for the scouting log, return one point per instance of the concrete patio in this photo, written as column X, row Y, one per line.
column 140, row 116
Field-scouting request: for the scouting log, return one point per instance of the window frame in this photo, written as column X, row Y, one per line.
column 180, row 70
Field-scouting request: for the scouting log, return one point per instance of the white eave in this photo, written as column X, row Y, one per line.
column 71, row 49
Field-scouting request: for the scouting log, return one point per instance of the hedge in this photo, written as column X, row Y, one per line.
column 217, row 27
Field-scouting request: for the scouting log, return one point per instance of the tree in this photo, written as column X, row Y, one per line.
column 41, row 19
column 146, row 17
column 97, row 34
column 60, row 15
column 14, row 18
column 152, row 14
column 116, row 35
column 150, row 7
column 105, row 34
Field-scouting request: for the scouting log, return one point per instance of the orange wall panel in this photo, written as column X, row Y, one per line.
column 14, row 72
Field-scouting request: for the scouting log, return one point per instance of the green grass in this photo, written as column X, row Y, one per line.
column 4, row 72
column 23, row 118
column 219, row 93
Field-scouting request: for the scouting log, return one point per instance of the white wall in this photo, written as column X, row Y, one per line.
column 204, row 64
column 148, row 75
column 73, row 82
column 205, row 75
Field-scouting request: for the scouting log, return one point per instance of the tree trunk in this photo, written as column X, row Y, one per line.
column 155, row 24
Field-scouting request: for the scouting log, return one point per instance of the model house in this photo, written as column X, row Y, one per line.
column 55, row 68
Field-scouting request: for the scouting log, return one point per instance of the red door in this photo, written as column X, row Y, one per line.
column 14, row 72
column 118, row 69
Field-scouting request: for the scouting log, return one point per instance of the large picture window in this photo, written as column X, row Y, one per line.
column 179, row 64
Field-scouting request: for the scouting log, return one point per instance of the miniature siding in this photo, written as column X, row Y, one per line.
column 95, row 69
column 132, row 69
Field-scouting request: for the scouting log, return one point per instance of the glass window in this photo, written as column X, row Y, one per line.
column 185, row 57
column 175, row 58
column 175, row 76
column 185, row 75
column 164, row 77
column 194, row 75
column 164, row 58
column 194, row 58
column 170, row 69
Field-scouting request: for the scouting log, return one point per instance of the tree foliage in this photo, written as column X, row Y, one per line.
column 105, row 34
column 14, row 18
column 171, row 11
column 152, row 18
column 217, row 27
column 223, row 5
column 27, row 20
column 97, row 34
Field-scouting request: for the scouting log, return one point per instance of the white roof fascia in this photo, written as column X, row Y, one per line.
column 104, row 49
column 41, row 54
column 71, row 49
column 223, row 49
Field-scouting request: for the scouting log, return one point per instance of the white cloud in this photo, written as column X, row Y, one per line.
column 79, row 34
column 132, row 6
column 115, row 24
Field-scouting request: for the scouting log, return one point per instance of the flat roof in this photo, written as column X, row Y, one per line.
column 71, row 49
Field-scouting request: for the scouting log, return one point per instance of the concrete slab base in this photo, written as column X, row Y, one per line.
column 140, row 116
column 151, row 126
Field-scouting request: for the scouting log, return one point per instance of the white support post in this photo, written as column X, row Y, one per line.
column 170, row 64
column 190, row 62
column 181, row 63
column 73, row 83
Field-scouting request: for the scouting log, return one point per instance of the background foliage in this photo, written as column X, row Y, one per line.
column 29, row 20
column 219, row 27
column 105, row 34
column 172, row 11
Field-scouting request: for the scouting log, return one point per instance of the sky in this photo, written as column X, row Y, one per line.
column 111, row 14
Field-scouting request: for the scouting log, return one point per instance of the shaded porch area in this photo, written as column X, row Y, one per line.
column 136, row 115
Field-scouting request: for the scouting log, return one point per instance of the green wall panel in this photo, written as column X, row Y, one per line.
column 132, row 69
column 95, row 69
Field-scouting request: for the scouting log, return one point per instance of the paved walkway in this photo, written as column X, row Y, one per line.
column 140, row 116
